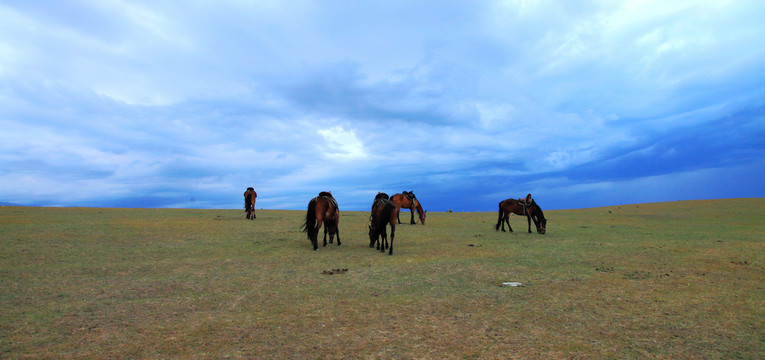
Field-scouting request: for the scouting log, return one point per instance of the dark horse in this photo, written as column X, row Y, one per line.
column 383, row 213
column 322, row 209
column 524, row 207
column 249, row 202
column 407, row 200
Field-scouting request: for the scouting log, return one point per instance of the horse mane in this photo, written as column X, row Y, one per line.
column 537, row 210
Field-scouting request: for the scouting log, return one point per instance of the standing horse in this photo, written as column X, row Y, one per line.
column 524, row 207
column 249, row 202
column 322, row 209
column 407, row 200
column 383, row 213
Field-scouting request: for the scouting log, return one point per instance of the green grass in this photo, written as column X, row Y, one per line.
column 663, row 280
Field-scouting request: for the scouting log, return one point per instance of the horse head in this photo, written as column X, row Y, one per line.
column 372, row 237
column 420, row 211
column 542, row 226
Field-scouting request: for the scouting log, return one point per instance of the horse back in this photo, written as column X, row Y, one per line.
column 384, row 211
column 400, row 200
column 512, row 206
column 327, row 206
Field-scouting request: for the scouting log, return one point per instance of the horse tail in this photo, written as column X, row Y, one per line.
column 499, row 217
column 310, row 219
column 247, row 200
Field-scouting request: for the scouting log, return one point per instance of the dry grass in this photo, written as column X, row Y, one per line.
column 665, row 280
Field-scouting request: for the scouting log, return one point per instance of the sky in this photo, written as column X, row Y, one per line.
column 185, row 104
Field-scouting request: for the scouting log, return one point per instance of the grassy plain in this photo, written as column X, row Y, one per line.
column 663, row 280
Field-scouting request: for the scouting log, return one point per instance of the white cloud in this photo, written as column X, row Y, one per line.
column 342, row 144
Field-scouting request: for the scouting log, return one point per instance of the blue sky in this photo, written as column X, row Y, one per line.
column 185, row 104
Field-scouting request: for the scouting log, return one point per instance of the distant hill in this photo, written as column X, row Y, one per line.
column 3, row 203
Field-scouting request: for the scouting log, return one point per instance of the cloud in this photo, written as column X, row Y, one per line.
column 156, row 104
column 342, row 144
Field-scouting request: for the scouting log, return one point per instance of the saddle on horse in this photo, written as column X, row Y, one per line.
column 328, row 195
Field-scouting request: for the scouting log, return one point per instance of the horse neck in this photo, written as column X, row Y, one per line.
column 538, row 212
column 418, row 207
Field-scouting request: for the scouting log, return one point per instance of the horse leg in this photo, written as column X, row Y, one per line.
column 398, row 217
column 384, row 239
column 337, row 232
column 499, row 220
column 315, row 237
column 411, row 222
column 507, row 220
column 392, row 235
column 325, row 235
column 528, row 219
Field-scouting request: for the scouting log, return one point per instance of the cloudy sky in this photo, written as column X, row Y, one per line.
column 184, row 104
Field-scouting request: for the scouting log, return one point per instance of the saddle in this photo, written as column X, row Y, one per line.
column 526, row 203
column 328, row 195
column 409, row 195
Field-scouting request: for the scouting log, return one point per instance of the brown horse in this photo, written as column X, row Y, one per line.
column 383, row 213
column 407, row 200
column 249, row 202
column 322, row 209
column 524, row 207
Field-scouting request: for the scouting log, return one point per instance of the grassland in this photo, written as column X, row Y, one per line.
column 676, row 280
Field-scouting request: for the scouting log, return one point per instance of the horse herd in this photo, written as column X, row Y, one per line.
column 323, row 210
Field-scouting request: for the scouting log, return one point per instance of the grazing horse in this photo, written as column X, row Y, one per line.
column 407, row 200
column 524, row 207
column 538, row 216
column 322, row 209
column 383, row 213
column 249, row 202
